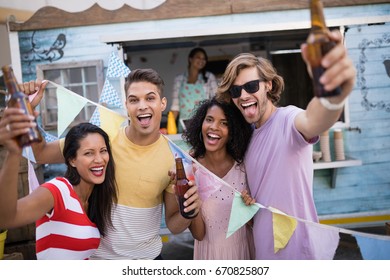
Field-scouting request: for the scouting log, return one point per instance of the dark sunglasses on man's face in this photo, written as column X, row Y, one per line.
column 250, row 87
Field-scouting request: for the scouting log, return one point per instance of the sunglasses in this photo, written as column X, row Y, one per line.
column 250, row 87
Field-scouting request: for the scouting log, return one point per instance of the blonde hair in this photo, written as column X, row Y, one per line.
column 266, row 72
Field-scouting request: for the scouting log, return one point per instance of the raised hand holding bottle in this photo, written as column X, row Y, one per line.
column 319, row 44
column 19, row 100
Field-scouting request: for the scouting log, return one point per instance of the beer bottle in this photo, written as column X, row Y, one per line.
column 318, row 45
column 181, row 188
column 19, row 100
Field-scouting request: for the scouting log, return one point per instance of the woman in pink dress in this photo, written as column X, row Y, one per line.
column 219, row 136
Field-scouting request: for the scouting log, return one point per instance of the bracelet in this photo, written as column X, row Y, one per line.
column 330, row 106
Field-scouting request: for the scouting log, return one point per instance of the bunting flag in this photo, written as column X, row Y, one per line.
column 69, row 106
column 283, row 228
column 116, row 67
column 325, row 240
column 373, row 249
column 110, row 96
column 32, row 178
column 48, row 137
column 95, row 119
column 28, row 154
column 240, row 214
column 110, row 121
column 71, row 103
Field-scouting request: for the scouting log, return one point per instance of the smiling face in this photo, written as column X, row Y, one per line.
column 198, row 61
column 91, row 159
column 215, row 129
column 253, row 106
column 144, row 107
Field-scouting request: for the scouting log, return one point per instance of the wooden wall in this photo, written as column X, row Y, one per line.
column 366, row 187
column 50, row 17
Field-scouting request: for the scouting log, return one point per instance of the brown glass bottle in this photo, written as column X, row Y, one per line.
column 19, row 100
column 318, row 45
column 181, row 188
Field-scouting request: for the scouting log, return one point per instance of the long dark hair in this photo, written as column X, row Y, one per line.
column 240, row 131
column 192, row 53
column 104, row 195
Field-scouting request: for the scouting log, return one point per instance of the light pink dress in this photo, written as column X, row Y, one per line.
column 216, row 214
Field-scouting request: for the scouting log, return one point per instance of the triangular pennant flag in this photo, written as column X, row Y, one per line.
column 116, row 67
column 28, row 154
column 110, row 121
column 373, row 249
column 95, row 119
column 69, row 106
column 240, row 214
column 208, row 183
column 110, row 96
column 48, row 137
column 32, row 178
column 283, row 228
column 324, row 240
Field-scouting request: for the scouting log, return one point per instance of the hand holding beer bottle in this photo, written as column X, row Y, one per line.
column 19, row 100
column 181, row 188
column 318, row 44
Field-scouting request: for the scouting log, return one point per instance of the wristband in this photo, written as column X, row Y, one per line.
column 330, row 106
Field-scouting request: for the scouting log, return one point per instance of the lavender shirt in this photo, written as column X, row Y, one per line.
column 279, row 167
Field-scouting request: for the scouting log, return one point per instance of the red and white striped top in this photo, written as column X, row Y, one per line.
column 66, row 233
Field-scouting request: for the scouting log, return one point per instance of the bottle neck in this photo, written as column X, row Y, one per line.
column 10, row 80
column 180, row 173
column 317, row 15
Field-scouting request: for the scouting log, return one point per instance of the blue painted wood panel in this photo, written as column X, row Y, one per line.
column 367, row 187
column 61, row 46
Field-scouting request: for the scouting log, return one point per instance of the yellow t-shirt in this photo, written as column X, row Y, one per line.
column 142, row 177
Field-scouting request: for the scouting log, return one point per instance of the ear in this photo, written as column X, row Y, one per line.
column 163, row 104
column 268, row 86
column 71, row 162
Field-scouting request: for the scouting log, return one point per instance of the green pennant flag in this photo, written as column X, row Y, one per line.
column 69, row 106
column 240, row 214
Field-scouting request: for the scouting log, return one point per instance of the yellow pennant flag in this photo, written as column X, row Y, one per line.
column 110, row 121
column 284, row 227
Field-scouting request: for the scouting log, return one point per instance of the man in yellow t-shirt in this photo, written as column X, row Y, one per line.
column 142, row 159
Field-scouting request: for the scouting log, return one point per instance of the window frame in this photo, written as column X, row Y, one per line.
column 41, row 68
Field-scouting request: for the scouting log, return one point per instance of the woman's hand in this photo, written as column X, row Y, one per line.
column 14, row 123
column 246, row 197
column 34, row 89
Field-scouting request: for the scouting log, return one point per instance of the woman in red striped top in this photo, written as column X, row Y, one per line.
column 71, row 212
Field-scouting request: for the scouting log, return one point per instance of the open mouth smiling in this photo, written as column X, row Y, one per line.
column 97, row 171
column 213, row 136
column 144, row 119
column 249, row 104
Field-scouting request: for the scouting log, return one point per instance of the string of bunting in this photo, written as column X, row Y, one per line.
column 372, row 246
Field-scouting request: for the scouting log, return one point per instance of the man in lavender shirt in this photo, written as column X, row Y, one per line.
column 279, row 158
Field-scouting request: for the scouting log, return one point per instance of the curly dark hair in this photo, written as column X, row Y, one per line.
column 240, row 131
column 104, row 195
